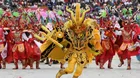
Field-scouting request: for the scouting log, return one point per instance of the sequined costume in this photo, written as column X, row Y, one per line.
column 83, row 47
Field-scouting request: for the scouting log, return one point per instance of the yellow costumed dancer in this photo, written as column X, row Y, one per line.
column 85, row 44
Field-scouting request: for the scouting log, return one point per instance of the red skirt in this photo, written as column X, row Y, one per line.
column 36, row 53
column 107, row 54
column 9, row 57
column 28, row 50
column 32, row 51
column 127, row 54
column 19, row 53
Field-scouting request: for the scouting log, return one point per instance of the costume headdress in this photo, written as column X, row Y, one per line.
column 126, row 21
column 78, row 22
column 76, row 19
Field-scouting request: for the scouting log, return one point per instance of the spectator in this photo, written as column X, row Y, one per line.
column 49, row 4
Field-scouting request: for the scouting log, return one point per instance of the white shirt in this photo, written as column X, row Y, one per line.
column 24, row 37
column 103, row 36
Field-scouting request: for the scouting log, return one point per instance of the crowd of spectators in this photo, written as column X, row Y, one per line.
column 26, row 3
column 59, row 5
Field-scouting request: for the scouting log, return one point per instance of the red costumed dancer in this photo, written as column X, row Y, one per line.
column 10, row 43
column 10, row 27
column 32, row 50
column 3, row 45
column 125, row 52
column 108, row 39
column 26, row 36
column 18, row 48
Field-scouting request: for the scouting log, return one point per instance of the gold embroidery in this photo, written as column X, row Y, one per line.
column 1, row 47
column 20, row 47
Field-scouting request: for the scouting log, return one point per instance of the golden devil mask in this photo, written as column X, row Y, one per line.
column 78, row 23
column 77, row 19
